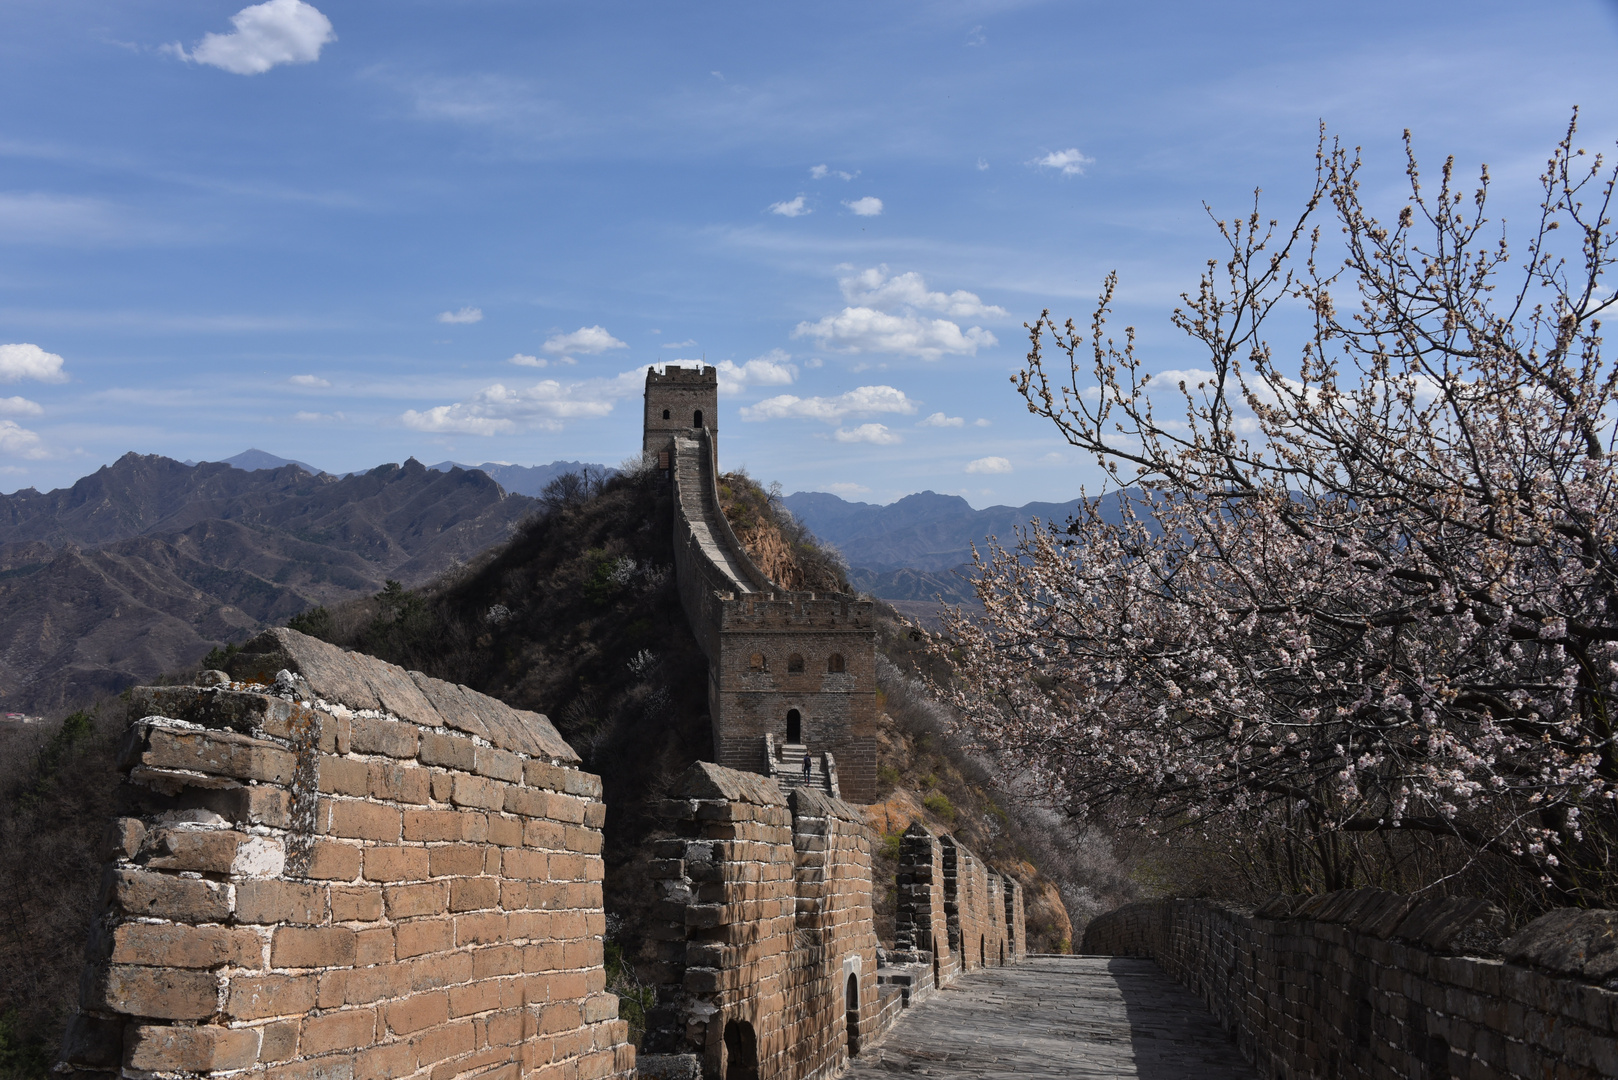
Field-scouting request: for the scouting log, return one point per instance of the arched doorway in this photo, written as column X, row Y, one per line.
column 696, row 418
column 794, row 726
column 665, row 414
column 1002, row 954
column 983, row 952
column 935, row 965
column 851, row 995
column 741, row 1051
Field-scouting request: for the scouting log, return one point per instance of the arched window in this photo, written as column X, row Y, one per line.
column 852, row 994
column 795, row 664
column 794, row 726
column 756, row 662
column 665, row 414
column 834, row 663
column 696, row 418
column 741, row 1051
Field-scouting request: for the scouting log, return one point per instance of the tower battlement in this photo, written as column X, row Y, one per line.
column 679, row 399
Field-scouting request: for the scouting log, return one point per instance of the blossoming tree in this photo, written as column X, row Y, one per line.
column 1366, row 587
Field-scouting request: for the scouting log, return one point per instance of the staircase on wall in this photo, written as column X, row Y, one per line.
column 784, row 762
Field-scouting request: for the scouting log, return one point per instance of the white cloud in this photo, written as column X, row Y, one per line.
column 861, row 401
column 983, row 165
column 1070, row 161
column 589, row 340
column 792, row 208
column 24, row 361
column 312, row 381
column 980, row 422
column 814, row 362
column 523, row 360
column 869, row 206
column 874, row 288
column 1054, row 458
column 317, row 417
column 849, row 489
column 546, row 405
column 989, row 465
column 275, row 32
column 863, row 329
column 774, row 368
column 19, row 441
column 938, row 419
column 679, row 344
column 19, row 406
column 465, row 315
column 976, row 37
column 871, row 433
column 818, row 172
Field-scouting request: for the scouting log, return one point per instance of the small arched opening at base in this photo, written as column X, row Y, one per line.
column 983, row 952
column 852, row 1004
column 696, row 418
column 741, row 1051
column 1002, row 954
column 794, row 726
column 665, row 414
column 935, row 968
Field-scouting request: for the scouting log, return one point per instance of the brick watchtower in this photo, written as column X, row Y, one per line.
column 678, row 401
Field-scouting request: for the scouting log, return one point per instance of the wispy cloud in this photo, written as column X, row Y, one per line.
column 874, row 288
column 313, row 382
column 19, row 406
column 1069, row 161
column 589, row 340
column 865, row 330
column 868, row 433
column 265, row 35
column 18, row 441
column 774, row 368
column 989, row 465
column 791, row 208
column 859, row 402
column 869, row 206
column 27, row 361
column 938, row 419
column 849, row 489
column 546, row 406
column 464, row 315
column 820, row 172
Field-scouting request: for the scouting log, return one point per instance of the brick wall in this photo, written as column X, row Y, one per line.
column 1368, row 983
column 975, row 905
column 953, row 913
column 682, row 391
column 371, row 874
column 767, row 908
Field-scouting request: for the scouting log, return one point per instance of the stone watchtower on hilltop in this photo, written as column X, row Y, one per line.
column 789, row 673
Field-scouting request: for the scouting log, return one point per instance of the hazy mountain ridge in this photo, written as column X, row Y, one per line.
column 926, row 531
column 143, row 566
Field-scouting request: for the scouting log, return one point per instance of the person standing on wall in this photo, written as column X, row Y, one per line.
column 806, row 766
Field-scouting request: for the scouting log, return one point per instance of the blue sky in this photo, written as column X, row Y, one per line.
column 355, row 232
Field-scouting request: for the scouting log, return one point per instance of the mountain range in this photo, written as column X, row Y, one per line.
column 516, row 479
column 144, row 565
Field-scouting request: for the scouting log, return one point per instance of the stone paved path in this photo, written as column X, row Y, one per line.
column 1094, row 1016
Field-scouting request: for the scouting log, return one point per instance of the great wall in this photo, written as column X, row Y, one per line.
column 334, row 868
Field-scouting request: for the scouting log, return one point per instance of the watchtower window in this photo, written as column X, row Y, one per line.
column 834, row 663
column 794, row 726
column 665, row 414
column 696, row 418
column 756, row 662
column 795, row 664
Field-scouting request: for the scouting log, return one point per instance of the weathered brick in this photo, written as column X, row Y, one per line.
column 407, row 901
column 344, row 776
column 395, row 863
column 418, row 1012
column 388, row 737
column 374, row 946
column 457, row 860
column 401, row 783
column 365, row 821
column 161, row 993
column 164, row 896
column 181, row 946
column 451, row 751
column 207, row 851
column 331, row 861
column 280, row 902
column 503, row 830
column 347, row 1030
column 312, row 947
column 441, row 825
column 474, row 894
column 192, row 1049
column 260, row 996
column 215, row 752
column 445, row 1041
column 525, row 865
column 356, row 903
column 423, row 936
column 498, row 764
column 478, row 792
